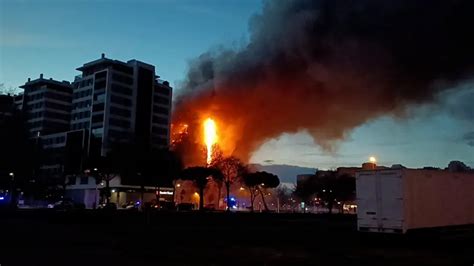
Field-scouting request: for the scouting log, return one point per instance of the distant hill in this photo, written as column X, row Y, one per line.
column 286, row 173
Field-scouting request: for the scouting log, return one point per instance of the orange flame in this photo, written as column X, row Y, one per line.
column 210, row 137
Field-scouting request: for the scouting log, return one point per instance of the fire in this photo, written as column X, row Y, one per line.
column 210, row 137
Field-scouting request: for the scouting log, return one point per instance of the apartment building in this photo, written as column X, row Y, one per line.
column 110, row 101
column 119, row 101
column 47, row 105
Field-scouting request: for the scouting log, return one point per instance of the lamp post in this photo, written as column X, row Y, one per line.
column 96, row 189
column 12, row 187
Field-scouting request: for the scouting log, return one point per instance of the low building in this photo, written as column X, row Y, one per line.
column 85, row 190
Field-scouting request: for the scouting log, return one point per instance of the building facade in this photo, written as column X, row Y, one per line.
column 116, row 101
column 110, row 101
column 7, row 106
column 47, row 105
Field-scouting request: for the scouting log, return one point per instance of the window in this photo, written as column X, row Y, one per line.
column 160, row 110
column 55, row 115
column 121, row 100
column 99, row 85
column 99, row 97
column 121, row 89
column 83, row 83
column 98, row 107
column 161, row 100
column 82, row 104
column 162, row 141
column 81, row 94
column 60, row 97
column 85, row 114
column 122, row 79
column 159, row 130
column 97, row 118
column 62, row 107
column 98, row 131
column 114, row 134
column 102, row 74
column 119, row 122
column 163, row 90
column 124, row 69
column 120, row 111
column 35, row 115
column 160, row 120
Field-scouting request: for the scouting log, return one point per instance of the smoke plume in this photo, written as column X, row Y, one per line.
column 327, row 66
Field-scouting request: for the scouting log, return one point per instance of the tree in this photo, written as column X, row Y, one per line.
column 283, row 195
column 305, row 190
column 328, row 186
column 104, row 169
column 252, row 181
column 345, row 189
column 458, row 166
column 332, row 187
column 268, row 181
column 144, row 166
column 200, row 177
column 257, row 182
column 232, row 169
column 18, row 155
column 326, row 189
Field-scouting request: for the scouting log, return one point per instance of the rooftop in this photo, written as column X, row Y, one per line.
column 41, row 81
column 101, row 61
column 104, row 61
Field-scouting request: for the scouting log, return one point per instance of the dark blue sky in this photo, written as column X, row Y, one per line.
column 55, row 37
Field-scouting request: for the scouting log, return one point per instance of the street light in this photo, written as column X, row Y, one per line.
column 12, row 186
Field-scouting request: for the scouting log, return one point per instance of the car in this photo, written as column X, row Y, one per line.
column 185, row 207
column 108, row 206
column 132, row 205
column 167, row 206
column 63, row 205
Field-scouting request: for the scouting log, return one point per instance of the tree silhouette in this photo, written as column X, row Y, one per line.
column 104, row 169
column 283, row 195
column 305, row 190
column 345, row 189
column 232, row 170
column 18, row 155
column 329, row 187
column 257, row 182
column 252, row 181
column 142, row 166
column 200, row 177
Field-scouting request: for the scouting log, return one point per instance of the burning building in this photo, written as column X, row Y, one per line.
column 326, row 67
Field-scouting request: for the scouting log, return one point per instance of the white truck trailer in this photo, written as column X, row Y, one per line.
column 397, row 200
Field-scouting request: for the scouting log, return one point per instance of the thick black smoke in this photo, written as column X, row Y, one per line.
column 327, row 66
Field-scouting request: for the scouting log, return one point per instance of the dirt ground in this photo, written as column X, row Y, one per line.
column 46, row 237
